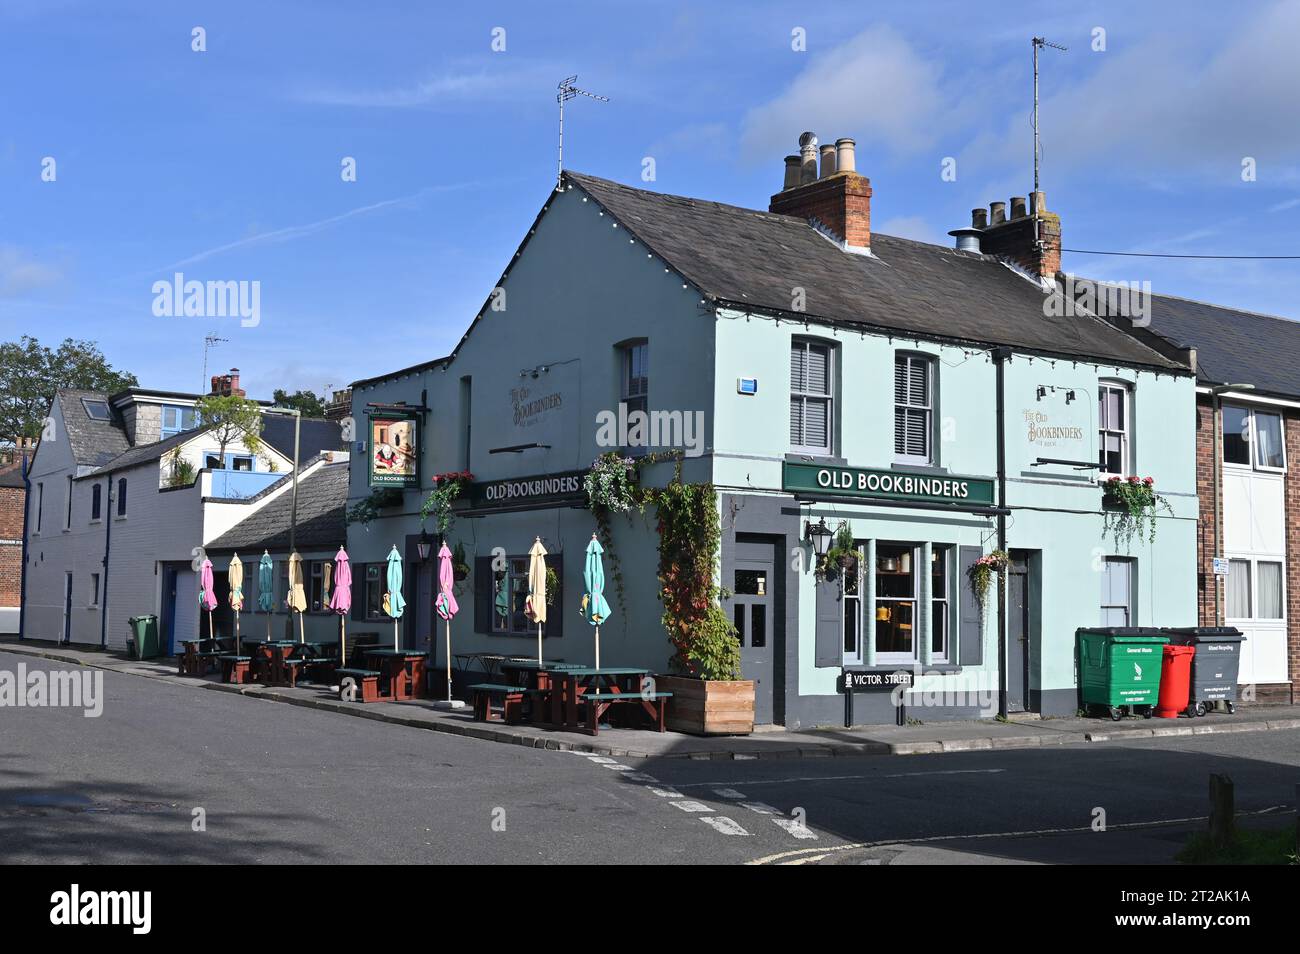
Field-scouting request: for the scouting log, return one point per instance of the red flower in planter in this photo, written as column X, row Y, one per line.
column 1149, row 481
column 1134, row 480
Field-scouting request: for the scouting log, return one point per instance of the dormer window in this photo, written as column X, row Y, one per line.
column 96, row 410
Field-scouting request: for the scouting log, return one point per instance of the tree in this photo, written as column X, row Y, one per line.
column 307, row 402
column 229, row 419
column 30, row 373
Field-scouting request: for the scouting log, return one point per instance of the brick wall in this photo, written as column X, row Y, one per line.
column 11, row 555
column 1206, row 543
column 1291, row 426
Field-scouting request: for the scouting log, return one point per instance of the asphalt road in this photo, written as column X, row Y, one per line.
column 279, row 783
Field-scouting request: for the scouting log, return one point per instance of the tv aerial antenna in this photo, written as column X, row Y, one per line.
column 1039, row 43
column 566, row 91
column 210, row 341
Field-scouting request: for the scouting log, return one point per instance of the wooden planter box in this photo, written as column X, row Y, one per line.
column 709, row 707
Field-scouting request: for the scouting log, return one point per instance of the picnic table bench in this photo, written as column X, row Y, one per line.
column 365, row 680
column 236, row 669
column 512, row 700
column 596, row 704
column 201, row 656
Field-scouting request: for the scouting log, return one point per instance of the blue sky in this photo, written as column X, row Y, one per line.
column 225, row 164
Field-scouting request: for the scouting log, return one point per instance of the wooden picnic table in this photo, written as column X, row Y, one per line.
column 608, row 683
column 542, row 682
column 404, row 671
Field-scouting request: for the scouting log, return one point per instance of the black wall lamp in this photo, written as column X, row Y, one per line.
column 424, row 546
column 819, row 535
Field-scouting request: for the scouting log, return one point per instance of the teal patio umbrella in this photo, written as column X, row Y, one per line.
column 266, row 588
column 393, row 602
column 595, row 609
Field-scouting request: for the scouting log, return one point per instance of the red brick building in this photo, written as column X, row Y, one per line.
column 1248, row 477
column 13, row 498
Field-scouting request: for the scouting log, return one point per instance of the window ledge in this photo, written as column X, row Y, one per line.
column 798, row 458
column 934, row 669
column 913, row 467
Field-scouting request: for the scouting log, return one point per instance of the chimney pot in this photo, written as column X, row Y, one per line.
column 979, row 218
column 808, row 156
column 1037, row 202
column 791, row 172
column 828, row 160
column 997, row 213
column 845, row 158
column 1017, row 207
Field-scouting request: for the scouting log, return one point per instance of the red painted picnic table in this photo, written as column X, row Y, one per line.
column 544, row 684
column 575, row 683
column 403, row 671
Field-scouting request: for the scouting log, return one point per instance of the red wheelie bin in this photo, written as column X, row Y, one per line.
column 1175, row 682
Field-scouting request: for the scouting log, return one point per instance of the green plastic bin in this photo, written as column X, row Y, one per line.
column 144, row 629
column 1119, row 668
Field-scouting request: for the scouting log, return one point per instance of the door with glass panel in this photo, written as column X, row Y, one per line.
column 752, row 612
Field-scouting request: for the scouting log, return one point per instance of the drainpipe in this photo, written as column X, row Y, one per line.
column 22, row 580
column 103, row 588
column 1000, row 357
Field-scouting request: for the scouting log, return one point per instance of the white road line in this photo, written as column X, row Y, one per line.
column 618, row 768
column 761, row 808
column 844, row 778
column 690, row 806
column 723, row 824
column 601, row 759
column 640, row 777
column 665, row 792
column 793, row 826
column 784, row 856
column 727, row 793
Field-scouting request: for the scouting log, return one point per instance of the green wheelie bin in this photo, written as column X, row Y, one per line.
column 1119, row 668
column 144, row 629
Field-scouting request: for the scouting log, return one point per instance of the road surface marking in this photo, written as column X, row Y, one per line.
column 640, row 777
column 601, row 759
column 618, row 768
column 783, row 856
column 761, row 808
column 690, row 806
column 845, row 778
column 793, row 826
column 665, row 792
column 727, row 793
column 723, row 824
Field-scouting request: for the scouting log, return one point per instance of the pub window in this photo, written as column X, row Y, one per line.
column 67, row 513
column 376, row 584
column 913, row 408
column 121, row 497
column 96, row 501
column 939, row 596
column 896, row 596
column 853, row 615
column 94, row 590
column 318, row 577
column 40, row 505
column 1113, row 430
column 634, row 388
column 1117, row 592
column 1253, row 438
column 811, row 401
column 510, row 600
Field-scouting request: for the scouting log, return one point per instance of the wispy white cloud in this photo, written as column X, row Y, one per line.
column 475, row 85
column 20, row 273
column 292, row 232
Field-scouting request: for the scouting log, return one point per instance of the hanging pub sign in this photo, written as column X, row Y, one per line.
column 394, row 448
column 543, row 490
column 813, row 479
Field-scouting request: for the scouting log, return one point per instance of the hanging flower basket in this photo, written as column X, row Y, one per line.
column 1130, row 505
column 981, row 575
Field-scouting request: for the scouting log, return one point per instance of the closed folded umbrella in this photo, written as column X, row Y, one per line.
column 535, row 605
column 207, row 599
column 445, row 604
column 341, row 601
column 594, row 606
column 394, row 604
column 266, row 588
column 297, row 598
column 235, row 577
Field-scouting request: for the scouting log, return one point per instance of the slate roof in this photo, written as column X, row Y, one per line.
column 754, row 259
column 11, row 475
column 1232, row 346
column 317, row 434
column 322, row 499
column 94, row 443
column 144, row 453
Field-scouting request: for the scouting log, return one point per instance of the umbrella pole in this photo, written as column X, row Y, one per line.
column 211, row 634
column 343, row 641
column 302, row 628
column 598, row 647
column 539, row 644
column 395, row 634
column 268, row 626
column 449, row 660
column 236, row 632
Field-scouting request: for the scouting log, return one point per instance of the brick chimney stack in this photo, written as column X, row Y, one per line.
column 837, row 202
column 224, row 385
column 1030, row 238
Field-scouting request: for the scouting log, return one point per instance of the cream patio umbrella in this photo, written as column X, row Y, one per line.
column 297, row 597
column 535, row 605
column 235, row 578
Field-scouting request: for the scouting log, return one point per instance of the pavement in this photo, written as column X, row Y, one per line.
column 173, row 773
column 912, row 739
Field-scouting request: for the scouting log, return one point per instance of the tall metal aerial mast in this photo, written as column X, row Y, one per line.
column 1039, row 43
column 567, row 90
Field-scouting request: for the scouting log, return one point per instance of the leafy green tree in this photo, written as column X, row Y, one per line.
column 30, row 373
column 231, row 418
column 307, row 402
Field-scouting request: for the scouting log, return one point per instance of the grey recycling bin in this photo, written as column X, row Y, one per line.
column 1215, row 665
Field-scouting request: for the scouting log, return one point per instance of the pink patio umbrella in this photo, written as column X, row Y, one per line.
column 446, row 605
column 341, row 601
column 207, row 598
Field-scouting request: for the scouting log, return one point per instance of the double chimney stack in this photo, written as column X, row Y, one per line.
column 835, row 199
column 822, row 185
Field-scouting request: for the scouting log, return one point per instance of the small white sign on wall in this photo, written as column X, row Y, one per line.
column 746, row 385
column 1220, row 566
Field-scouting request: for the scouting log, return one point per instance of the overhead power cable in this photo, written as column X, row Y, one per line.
column 1088, row 251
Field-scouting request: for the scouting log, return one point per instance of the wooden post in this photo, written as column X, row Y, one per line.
column 1221, row 810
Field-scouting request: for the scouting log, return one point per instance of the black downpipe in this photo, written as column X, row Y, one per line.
column 1000, row 357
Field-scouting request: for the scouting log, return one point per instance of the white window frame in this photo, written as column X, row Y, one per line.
column 852, row 609
column 1252, row 564
column 895, row 658
column 827, row 397
column 1125, row 432
column 1252, row 443
column 910, row 358
column 941, row 606
column 1130, row 566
